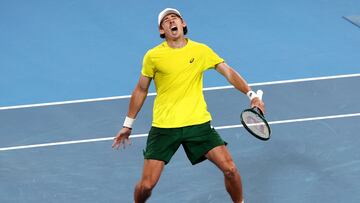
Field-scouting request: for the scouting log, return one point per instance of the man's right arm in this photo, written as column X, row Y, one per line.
column 137, row 100
column 138, row 96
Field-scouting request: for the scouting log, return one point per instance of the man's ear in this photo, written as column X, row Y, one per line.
column 161, row 30
column 183, row 23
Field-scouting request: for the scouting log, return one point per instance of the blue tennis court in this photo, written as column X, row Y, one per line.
column 68, row 69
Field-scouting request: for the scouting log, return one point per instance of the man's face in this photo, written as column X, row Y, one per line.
column 172, row 26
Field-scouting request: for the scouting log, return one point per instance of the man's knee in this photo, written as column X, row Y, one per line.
column 230, row 172
column 146, row 186
column 143, row 191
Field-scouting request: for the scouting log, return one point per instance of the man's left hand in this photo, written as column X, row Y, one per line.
column 257, row 102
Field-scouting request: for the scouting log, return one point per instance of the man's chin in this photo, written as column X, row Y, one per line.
column 174, row 36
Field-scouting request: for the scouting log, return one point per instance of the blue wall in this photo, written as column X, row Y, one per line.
column 65, row 50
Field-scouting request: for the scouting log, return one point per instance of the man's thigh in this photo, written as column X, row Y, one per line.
column 221, row 157
column 152, row 170
column 200, row 139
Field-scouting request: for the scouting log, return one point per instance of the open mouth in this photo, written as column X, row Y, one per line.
column 174, row 28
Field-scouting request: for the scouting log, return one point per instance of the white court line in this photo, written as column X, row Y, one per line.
column 145, row 135
column 153, row 94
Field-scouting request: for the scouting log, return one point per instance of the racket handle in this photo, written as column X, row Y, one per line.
column 260, row 94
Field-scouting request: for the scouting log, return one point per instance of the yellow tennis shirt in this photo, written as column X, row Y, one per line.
column 178, row 78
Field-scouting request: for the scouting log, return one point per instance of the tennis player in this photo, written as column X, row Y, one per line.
column 180, row 115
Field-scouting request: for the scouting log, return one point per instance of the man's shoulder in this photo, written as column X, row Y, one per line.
column 156, row 48
column 198, row 44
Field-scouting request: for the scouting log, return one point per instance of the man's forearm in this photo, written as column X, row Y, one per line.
column 233, row 77
column 137, row 100
column 237, row 81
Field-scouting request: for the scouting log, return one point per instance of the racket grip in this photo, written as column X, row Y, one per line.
column 260, row 94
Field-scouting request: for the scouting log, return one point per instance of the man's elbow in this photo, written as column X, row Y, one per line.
column 142, row 89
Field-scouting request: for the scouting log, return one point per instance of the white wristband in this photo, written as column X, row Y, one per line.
column 128, row 122
column 251, row 94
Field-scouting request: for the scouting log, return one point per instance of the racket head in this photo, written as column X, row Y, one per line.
column 255, row 123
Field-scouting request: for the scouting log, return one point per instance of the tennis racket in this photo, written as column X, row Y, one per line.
column 254, row 121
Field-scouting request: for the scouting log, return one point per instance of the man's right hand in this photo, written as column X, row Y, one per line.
column 122, row 138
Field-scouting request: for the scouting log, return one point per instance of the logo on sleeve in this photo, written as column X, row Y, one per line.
column 192, row 60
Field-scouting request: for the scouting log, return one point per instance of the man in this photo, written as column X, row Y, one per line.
column 180, row 115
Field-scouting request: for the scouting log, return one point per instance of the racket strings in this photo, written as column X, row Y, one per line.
column 256, row 124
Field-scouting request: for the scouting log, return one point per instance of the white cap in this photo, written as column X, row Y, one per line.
column 166, row 11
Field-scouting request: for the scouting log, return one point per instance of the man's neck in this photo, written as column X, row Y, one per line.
column 177, row 43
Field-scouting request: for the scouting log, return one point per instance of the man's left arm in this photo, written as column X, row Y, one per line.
column 238, row 82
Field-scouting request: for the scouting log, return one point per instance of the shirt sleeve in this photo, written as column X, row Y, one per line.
column 148, row 67
column 211, row 58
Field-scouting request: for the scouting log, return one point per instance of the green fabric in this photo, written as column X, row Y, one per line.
column 197, row 140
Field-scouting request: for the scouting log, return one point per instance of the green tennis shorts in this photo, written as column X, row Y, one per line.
column 197, row 140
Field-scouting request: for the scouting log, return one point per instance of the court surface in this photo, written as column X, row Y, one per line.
column 313, row 150
column 68, row 67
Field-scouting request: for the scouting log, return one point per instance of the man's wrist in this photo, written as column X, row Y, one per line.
column 127, row 127
column 251, row 95
column 128, row 123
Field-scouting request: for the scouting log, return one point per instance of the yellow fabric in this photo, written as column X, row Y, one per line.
column 178, row 78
